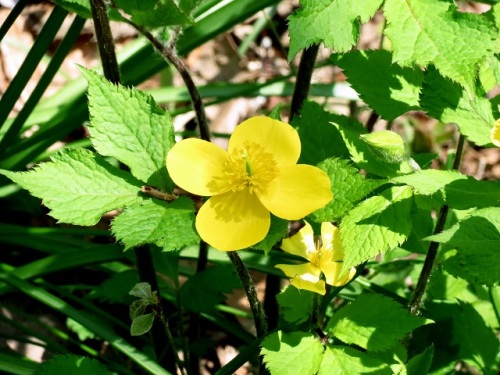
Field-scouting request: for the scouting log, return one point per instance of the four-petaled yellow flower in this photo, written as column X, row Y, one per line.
column 323, row 256
column 495, row 133
column 257, row 175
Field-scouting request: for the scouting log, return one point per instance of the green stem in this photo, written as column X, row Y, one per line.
column 423, row 280
column 303, row 82
column 171, row 341
column 259, row 315
column 105, row 41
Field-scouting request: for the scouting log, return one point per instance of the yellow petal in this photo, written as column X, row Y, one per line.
column 296, row 192
column 301, row 243
column 276, row 137
column 233, row 221
column 495, row 133
column 330, row 236
column 331, row 270
column 304, row 276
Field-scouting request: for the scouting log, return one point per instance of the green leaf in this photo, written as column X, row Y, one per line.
column 462, row 328
column 206, row 289
column 276, row 232
column 82, row 332
column 127, row 124
column 373, row 322
column 477, row 240
column 79, row 186
column 319, row 138
column 447, row 102
column 80, row 7
column 435, row 32
column 453, row 188
column 421, row 363
column 138, row 308
column 71, row 364
column 142, row 291
column 170, row 225
column 142, row 324
column 336, row 23
column 348, row 187
column 299, row 352
column 365, row 159
column 116, row 288
column 389, row 89
column 343, row 360
column 188, row 6
column 154, row 13
column 376, row 225
column 296, row 304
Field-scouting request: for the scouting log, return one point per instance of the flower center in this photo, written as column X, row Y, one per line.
column 250, row 166
column 319, row 253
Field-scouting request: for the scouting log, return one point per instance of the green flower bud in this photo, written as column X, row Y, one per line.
column 386, row 145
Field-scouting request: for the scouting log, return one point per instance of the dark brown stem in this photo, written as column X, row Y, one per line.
column 105, row 41
column 303, row 82
column 259, row 315
column 423, row 280
column 372, row 120
column 171, row 341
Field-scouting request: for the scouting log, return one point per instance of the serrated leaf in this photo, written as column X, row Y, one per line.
column 71, row 364
column 389, row 89
column 336, row 23
column 296, row 304
column 455, row 189
column 80, row 7
column 206, row 289
column 461, row 327
column 127, row 124
column 116, row 288
column 142, row 324
column 154, row 13
column 79, row 186
column 319, row 138
column 142, row 291
column 166, row 224
column 373, row 322
column 421, row 363
column 82, row 332
column 300, row 351
column 477, row 240
column 343, row 360
column 435, row 32
column 365, row 159
column 348, row 187
column 375, row 225
column 277, row 231
column 448, row 102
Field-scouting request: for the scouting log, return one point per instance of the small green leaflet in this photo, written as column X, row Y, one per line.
column 79, row 186
column 127, row 124
column 348, row 187
column 376, row 225
column 319, row 138
column 435, row 32
column 336, row 23
column 455, row 189
column 477, row 240
column 448, row 102
column 295, row 352
column 142, row 324
column 373, row 322
column 344, row 360
column 166, row 224
column 421, row 363
column 389, row 89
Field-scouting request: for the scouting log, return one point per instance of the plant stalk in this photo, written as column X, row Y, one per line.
column 423, row 280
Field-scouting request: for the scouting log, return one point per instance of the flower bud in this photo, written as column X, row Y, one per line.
column 386, row 145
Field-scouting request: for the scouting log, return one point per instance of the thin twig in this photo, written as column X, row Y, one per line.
column 418, row 294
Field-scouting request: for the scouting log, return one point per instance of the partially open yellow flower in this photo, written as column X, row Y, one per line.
column 257, row 175
column 495, row 133
column 323, row 256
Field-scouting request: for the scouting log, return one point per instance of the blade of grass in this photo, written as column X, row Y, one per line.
column 14, row 364
column 11, row 18
column 90, row 322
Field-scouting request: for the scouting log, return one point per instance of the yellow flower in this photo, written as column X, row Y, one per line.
column 257, row 175
column 323, row 256
column 495, row 133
